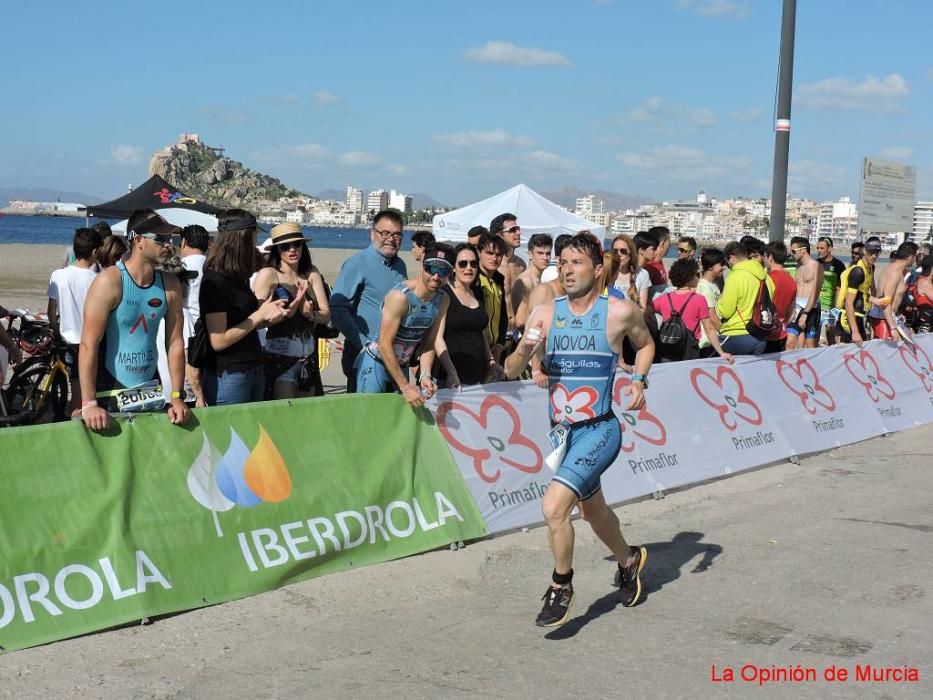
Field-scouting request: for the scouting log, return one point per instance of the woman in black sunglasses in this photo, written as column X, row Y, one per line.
column 461, row 349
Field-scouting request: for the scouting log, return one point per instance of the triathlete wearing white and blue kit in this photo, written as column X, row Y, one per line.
column 371, row 376
column 128, row 353
column 580, row 365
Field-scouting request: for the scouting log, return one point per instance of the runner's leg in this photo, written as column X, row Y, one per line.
column 605, row 524
column 557, row 504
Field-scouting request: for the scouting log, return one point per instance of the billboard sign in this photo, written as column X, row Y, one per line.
column 886, row 196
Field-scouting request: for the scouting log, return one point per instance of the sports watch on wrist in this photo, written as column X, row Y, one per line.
column 638, row 377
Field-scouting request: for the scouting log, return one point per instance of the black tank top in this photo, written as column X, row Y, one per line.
column 463, row 334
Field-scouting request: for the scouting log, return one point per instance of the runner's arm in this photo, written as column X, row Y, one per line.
column 814, row 296
column 174, row 336
column 520, row 293
column 850, row 315
column 102, row 298
column 528, row 347
column 320, row 314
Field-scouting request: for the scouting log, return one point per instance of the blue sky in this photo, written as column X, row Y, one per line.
column 461, row 100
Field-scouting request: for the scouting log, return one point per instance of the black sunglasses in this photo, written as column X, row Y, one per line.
column 464, row 264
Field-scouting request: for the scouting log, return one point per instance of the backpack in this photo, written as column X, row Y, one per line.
column 675, row 341
column 763, row 319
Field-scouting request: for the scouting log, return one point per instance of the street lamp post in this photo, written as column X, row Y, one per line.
column 782, row 123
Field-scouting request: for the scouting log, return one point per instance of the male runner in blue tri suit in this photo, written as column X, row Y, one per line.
column 411, row 314
column 578, row 338
column 118, row 359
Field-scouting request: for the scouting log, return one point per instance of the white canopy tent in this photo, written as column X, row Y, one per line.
column 534, row 214
column 177, row 217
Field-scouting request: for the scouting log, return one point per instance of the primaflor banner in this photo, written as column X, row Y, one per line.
column 98, row 530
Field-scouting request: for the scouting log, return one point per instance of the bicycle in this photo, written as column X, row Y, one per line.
column 39, row 383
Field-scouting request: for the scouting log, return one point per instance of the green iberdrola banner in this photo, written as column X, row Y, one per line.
column 100, row 530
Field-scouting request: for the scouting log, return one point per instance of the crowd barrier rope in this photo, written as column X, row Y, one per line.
column 151, row 518
column 702, row 420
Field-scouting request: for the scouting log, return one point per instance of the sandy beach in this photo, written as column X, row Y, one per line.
column 25, row 271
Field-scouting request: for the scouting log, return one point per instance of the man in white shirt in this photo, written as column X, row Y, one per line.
column 67, row 291
column 193, row 252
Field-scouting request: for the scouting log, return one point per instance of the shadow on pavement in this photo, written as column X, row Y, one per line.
column 665, row 560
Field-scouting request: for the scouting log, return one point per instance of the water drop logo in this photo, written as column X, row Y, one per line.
column 239, row 476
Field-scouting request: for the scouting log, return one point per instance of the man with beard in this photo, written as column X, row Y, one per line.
column 118, row 358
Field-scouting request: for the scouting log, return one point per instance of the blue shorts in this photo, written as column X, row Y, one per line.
column 591, row 449
column 372, row 376
column 812, row 327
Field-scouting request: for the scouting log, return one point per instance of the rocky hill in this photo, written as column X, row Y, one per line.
column 205, row 173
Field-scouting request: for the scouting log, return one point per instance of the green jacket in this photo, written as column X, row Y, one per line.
column 739, row 295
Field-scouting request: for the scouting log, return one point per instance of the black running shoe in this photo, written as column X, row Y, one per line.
column 557, row 604
column 628, row 579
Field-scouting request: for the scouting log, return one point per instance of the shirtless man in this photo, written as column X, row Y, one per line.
column 806, row 319
column 890, row 290
column 545, row 293
column 592, row 436
column 539, row 257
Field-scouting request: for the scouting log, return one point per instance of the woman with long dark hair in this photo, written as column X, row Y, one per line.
column 632, row 281
column 232, row 314
column 290, row 356
column 461, row 350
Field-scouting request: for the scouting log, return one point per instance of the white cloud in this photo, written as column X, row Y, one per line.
column 507, row 53
column 550, row 161
column 702, row 118
column 684, row 162
column 323, row 98
column 127, row 155
column 493, row 137
column 396, row 169
column 730, row 9
column 896, row 153
column 748, row 115
column 647, row 111
column 885, row 94
column 357, row 159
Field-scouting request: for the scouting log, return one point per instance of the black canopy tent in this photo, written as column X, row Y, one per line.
column 154, row 193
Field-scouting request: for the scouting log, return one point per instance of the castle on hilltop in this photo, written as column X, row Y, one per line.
column 161, row 157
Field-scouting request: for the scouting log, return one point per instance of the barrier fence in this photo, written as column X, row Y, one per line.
column 99, row 530
column 702, row 420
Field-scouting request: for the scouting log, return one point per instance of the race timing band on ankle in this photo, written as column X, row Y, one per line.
column 562, row 579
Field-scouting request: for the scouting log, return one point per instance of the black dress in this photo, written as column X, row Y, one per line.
column 463, row 334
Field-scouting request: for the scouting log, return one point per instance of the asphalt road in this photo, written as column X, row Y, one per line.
column 823, row 565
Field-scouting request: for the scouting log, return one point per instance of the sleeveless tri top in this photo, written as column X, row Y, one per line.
column 580, row 363
column 128, row 355
column 414, row 325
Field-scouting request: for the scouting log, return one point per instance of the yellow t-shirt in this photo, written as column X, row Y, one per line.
column 492, row 297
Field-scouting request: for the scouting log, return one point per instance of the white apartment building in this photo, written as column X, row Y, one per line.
column 589, row 206
column 296, row 216
column 400, row 201
column 923, row 222
column 377, row 200
column 354, row 200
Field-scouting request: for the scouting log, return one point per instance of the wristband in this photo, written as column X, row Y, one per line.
column 177, row 395
column 88, row 404
column 638, row 377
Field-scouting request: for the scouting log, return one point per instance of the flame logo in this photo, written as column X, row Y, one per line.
column 239, row 476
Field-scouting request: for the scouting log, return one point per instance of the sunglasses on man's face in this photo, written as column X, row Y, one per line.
column 464, row 264
column 437, row 269
column 513, row 229
column 160, row 238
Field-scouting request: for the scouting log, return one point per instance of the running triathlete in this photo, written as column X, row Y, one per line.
column 411, row 314
column 809, row 277
column 118, row 360
column 579, row 338
column 832, row 271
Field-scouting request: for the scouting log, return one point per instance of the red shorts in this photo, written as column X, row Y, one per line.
column 880, row 328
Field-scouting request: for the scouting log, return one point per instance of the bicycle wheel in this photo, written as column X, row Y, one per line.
column 24, row 396
column 59, row 398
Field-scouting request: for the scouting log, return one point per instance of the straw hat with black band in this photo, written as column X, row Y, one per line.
column 286, row 233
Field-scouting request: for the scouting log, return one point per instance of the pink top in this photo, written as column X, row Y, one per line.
column 694, row 311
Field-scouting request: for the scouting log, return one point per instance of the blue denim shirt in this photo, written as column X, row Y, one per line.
column 356, row 301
